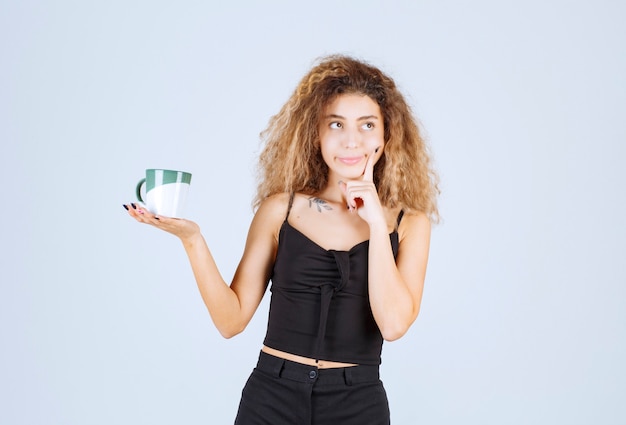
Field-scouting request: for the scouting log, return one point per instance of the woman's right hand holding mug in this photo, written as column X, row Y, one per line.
column 182, row 228
column 162, row 194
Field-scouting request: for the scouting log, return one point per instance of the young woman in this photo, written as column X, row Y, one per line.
column 345, row 200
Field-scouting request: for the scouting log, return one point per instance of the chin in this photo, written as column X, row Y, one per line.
column 349, row 176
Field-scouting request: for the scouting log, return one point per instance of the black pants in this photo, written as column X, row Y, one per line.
column 281, row 392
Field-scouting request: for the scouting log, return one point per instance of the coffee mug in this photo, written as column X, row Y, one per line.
column 165, row 191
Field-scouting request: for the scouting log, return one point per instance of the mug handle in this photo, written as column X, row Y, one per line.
column 138, row 190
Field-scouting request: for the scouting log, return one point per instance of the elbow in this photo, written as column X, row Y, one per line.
column 230, row 331
column 393, row 331
column 397, row 329
column 228, row 334
column 393, row 334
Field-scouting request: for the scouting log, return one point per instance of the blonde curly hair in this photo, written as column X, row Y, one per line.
column 291, row 160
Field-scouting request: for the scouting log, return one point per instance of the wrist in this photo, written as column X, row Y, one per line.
column 378, row 227
column 191, row 240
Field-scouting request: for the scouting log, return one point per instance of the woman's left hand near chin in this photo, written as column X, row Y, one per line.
column 362, row 197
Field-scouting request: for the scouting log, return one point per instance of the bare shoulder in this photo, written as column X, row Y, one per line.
column 275, row 205
column 272, row 212
column 414, row 225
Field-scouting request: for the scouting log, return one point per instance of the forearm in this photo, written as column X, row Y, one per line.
column 221, row 301
column 390, row 298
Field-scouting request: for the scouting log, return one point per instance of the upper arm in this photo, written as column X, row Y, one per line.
column 255, row 268
column 412, row 259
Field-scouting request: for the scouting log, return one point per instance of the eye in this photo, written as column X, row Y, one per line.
column 335, row 125
column 368, row 126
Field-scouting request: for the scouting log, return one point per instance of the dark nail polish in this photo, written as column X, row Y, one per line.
column 125, row 207
column 134, row 206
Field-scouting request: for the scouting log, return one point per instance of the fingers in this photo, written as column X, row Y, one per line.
column 356, row 193
column 350, row 200
column 141, row 214
column 368, row 172
column 179, row 227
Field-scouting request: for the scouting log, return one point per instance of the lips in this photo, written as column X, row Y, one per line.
column 350, row 160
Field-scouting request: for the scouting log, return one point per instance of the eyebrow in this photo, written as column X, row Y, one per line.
column 365, row 117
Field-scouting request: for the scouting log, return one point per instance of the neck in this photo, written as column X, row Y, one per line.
column 332, row 192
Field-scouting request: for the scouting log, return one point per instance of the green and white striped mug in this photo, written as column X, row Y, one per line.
column 165, row 191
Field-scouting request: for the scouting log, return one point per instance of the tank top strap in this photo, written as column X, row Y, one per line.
column 400, row 215
column 291, row 196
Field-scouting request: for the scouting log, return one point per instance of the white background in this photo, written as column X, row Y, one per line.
column 523, row 103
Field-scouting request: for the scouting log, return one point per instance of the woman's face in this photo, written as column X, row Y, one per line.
column 351, row 129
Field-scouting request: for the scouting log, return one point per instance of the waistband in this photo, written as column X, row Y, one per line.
column 281, row 368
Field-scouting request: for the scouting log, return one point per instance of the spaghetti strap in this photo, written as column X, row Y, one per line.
column 291, row 196
column 400, row 215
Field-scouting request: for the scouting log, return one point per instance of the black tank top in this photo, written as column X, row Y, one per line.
column 319, row 306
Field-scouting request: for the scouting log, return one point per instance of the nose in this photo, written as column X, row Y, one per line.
column 352, row 139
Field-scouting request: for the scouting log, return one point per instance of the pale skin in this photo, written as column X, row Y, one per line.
column 347, row 212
